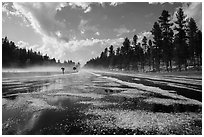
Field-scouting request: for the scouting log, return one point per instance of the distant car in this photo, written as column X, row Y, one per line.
column 74, row 68
column 62, row 68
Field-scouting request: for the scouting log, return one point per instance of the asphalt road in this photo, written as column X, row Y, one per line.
column 101, row 103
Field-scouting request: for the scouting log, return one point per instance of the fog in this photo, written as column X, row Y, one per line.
column 37, row 69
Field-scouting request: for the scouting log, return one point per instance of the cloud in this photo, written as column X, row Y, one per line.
column 83, row 5
column 82, row 31
column 84, row 26
column 155, row 3
column 74, row 49
column 7, row 8
column 22, row 44
column 61, row 5
column 87, row 10
column 116, row 3
column 75, row 45
column 121, row 30
column 58, row 33
column 26, row 45
column 86, row 6
column 41, row 17
column 10, row 10
column 97, row 33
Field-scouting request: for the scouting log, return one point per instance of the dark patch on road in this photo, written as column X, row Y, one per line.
column 138, row 103
column 10, row 97
column 175, row 108
column 189, row 93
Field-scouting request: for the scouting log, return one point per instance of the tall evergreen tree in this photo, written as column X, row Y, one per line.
column 144, row 52
column 106, row 53
column 167, row 38
column 198, row 47
column 191, row 33
column 111, row 56
column 144, row 43
column 111, row 51
column 157, row 36
column 125, row 50
column 105, row 58
column 149, row 54
column 136, row 52
column 118, row 60
column 180, row 39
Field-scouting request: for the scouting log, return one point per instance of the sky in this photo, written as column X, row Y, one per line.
column 79, row 31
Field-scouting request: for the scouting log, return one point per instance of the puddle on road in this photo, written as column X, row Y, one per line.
column 152, row 102
column 30, row 119
column 66, row 121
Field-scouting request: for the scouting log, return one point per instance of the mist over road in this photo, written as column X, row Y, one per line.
column 89, row 102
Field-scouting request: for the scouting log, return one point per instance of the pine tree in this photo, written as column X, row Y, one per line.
column 111, row 56
column 118, row 60
column 149, row 54
column 111, row 51
column 191, row 33
column 198, row 48
column 103, row 58
column 157, row 36
column 167, row 38
column 180, row 39
column 143, row 52
column 136, row 52
column 125, row 50
column 144, row 43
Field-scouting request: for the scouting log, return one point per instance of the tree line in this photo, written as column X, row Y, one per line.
column 13, row 56
column 175, row 45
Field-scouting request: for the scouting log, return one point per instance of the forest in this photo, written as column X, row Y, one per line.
column 13, row 56
column 176, row 45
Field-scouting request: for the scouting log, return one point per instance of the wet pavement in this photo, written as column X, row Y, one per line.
column 87, row 103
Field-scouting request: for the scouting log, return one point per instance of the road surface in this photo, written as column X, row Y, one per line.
column 90, row 102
